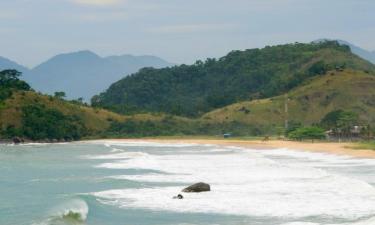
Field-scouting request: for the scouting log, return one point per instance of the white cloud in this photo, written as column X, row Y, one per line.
column 97, row 2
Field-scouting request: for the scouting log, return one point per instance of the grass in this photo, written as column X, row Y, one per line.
column 370, row 145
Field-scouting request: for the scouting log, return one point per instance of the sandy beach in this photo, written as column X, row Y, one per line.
column 322, row 147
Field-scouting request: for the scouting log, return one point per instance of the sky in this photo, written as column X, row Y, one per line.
column 180, row 31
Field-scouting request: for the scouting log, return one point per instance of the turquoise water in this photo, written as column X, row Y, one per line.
column 114, row 183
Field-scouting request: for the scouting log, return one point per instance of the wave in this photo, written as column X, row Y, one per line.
column 73, row 212
column 258, row 181
column 123, row 155
column 148, row 144
column 370, row 221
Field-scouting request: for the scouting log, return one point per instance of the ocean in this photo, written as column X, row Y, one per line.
column 133, row 183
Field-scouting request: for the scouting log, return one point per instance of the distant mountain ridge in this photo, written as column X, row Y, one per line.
column 363, row 53
column 83, row 73
column 368, row 55
column 9, row 64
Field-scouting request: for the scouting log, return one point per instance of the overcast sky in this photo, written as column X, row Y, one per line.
column 180, row 31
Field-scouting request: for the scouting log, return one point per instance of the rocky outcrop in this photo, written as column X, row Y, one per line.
column 198, row 187
column 17, row 140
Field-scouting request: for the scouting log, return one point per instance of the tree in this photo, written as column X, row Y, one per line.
column 367, row 132
column 292, row 126
column 318, row 68
column 346, row 122
column 340, row 121
column 60, row 95
column 330, row 120
column 40, row 122
column 10, row 79
column 303, row 133
column 9, row 82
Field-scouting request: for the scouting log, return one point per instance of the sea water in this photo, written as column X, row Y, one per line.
column 131, row 183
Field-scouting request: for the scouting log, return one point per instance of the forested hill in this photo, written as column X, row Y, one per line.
column 191, row 90
column 33, row 116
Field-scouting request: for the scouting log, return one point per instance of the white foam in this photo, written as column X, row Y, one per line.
column 117, row 150
column 76, row 206
column 321, row 158
column 370, row 221
column 123, row 155
column 244, row 183
column 147, row 144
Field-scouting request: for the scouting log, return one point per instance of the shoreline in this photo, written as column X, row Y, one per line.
column 319, row 147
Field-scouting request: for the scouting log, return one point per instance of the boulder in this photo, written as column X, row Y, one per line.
column 179, row 196
column 17, row 140
column 198, row 187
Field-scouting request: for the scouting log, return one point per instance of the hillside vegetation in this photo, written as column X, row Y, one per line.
column 308, row 104
column 243, row 93
column 240, row 76
column 28, row 114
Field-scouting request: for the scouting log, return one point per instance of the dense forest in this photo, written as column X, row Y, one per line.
column 192, row 90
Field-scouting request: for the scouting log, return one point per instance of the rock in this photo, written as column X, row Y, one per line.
column 198, row 187
column 17, row 140
column 179, row 196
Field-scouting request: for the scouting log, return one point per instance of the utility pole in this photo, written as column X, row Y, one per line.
column 286, row 112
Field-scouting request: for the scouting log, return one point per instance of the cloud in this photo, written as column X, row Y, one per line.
column 97, row 2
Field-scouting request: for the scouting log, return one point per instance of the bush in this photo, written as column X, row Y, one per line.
column 41, row 123
column 304, row 133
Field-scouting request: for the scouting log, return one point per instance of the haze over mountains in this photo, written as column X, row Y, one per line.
column 82, row 74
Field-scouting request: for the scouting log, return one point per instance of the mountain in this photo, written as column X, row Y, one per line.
column 84, row 73
column 368, row 55
column 8, row 64
column 308, row 103
column 239, row 76
column 363, row 53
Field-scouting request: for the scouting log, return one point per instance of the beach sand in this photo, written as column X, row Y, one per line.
column 322, row 147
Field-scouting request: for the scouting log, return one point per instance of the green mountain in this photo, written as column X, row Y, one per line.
column 307, row 104
column 193, row 90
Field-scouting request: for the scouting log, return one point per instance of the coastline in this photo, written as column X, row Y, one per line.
column 321, row 147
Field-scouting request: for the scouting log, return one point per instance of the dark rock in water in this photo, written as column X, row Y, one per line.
column 179, row 196
column 17, row 140
column 198, row 187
